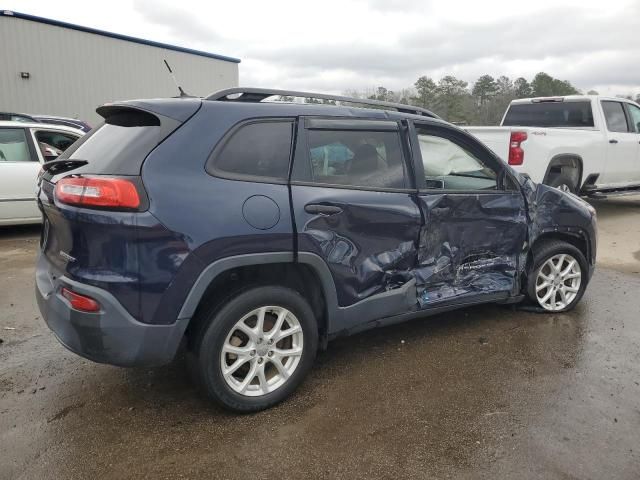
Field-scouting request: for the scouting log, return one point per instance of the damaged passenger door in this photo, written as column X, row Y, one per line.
column 354, row 205
column 475, row 225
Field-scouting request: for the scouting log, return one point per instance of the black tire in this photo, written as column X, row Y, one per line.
column 547, row 250
column 563, row 180
column 207, row 346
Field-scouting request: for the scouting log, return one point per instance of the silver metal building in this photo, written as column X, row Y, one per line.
column 57, row 68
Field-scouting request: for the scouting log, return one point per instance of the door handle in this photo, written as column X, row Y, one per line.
column 318, row 208
column 613, row 140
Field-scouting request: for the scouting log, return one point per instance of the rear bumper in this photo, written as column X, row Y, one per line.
column 111, row 335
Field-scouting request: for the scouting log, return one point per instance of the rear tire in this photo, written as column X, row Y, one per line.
column 558, row 276
column 564, row 183
column 235, row 353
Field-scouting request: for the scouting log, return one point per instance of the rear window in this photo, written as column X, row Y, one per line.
column 550, row 114
column 257, row 149
column 120, row 144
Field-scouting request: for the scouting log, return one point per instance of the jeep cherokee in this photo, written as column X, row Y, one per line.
column 255, row 231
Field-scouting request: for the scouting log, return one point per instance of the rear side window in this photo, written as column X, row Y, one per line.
column 615, row 117
column 257, row 149
column 13, row 145
column 356, row 158
column 549, row 114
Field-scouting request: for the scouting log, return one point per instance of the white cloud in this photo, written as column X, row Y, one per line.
column 338, row 45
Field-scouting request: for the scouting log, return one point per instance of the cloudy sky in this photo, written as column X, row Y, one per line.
column 336, row 45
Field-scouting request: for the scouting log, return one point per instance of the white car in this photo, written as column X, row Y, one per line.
column 24, row 147
column 585, row 144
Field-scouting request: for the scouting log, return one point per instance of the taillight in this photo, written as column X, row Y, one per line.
column 516, row 154
column 80, row 302
column 98, row 192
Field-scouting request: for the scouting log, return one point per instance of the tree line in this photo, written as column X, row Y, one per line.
column 482, row 103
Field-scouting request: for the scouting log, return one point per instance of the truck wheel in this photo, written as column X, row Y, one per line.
column 564, row 183
column 256, row 349
column 558, row 276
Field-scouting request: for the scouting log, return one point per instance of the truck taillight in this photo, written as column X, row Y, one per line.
column 103, row 192
column 516, row 154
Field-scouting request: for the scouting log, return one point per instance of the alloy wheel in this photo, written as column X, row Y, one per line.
column 262, row 351
column 558, row 282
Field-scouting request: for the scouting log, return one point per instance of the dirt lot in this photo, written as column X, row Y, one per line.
column 482, row 393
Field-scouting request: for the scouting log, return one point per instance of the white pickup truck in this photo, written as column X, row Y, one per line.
column 588, row 145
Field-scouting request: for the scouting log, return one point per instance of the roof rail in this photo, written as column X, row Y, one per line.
column 256, row 95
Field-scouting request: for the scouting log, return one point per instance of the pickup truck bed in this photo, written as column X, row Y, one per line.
column 584, row 144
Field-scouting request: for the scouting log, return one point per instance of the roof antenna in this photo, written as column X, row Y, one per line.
column 182, row 92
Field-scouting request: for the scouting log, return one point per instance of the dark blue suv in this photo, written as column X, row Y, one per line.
column 253, row 232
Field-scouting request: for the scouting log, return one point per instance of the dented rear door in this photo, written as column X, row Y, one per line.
column 354, row 206
column 475, row 224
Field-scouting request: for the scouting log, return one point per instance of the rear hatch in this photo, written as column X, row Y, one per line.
column 95, row 209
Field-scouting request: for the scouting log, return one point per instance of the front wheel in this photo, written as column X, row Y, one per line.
column 256, row 349
column 558, row 277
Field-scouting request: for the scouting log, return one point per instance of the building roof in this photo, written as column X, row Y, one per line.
column 126, row 38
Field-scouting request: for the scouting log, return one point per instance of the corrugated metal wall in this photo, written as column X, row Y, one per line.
column 72, row 72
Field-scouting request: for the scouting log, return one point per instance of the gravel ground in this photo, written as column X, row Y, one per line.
column 487, row 392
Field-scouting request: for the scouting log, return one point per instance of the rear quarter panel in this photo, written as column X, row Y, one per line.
column 208, row 211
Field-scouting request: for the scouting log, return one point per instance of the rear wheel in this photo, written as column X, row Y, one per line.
column 558, row 277
column 564, row 183
column 256, row 349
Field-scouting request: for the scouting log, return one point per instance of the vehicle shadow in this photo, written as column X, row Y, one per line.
column 616, row 207
column 17, row 232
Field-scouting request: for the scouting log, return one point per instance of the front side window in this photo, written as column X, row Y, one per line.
column 635, row 116
column 615, row 117
column 258, row 149
column 13, row 145
column 448, row 165
column 356, row 158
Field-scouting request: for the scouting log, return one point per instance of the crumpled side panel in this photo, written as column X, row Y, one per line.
column 370, row 247
column 469, row 245
column 495, row 275
column 551, row 211
column 365, row 275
